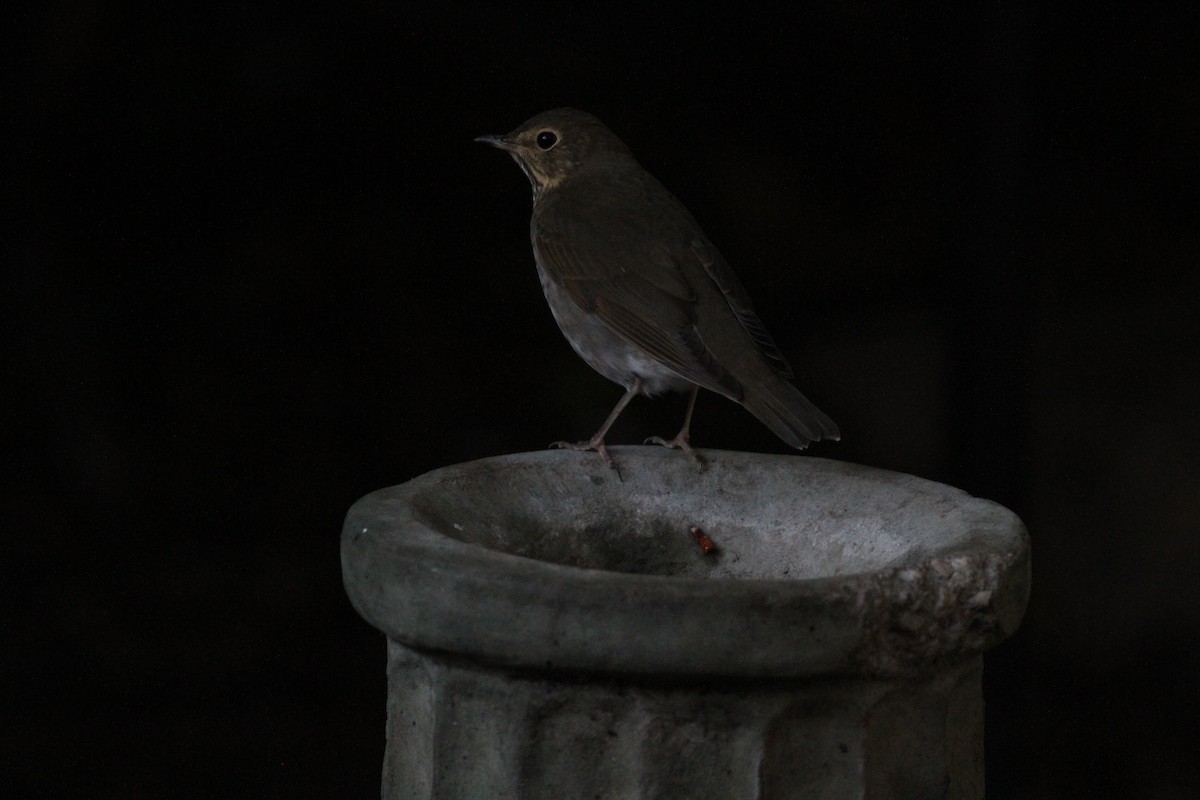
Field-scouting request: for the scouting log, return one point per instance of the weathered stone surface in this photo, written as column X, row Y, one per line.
column 457, row 731
column 556, row 632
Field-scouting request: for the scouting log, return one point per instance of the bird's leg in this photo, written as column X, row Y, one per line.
column 597, row 442
column 683, row 438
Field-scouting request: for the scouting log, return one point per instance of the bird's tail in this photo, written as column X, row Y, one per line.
column 782, row 408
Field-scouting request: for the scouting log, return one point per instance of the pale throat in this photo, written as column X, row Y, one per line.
column 538, row 180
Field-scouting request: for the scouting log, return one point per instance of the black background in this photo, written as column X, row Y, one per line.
column 258, row 269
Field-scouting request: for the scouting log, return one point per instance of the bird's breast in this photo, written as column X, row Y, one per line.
column 605, row 351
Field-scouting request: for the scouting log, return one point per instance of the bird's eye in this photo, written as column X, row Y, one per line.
column 546, row 140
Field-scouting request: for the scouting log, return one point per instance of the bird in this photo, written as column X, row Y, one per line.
column 637, row 288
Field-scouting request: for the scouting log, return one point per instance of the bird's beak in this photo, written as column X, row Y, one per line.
column 495, row 140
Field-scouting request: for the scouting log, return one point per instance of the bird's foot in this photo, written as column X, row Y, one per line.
column 595, row 443
column 680, row 442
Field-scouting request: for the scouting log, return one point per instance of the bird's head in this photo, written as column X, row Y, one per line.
column 557, row 144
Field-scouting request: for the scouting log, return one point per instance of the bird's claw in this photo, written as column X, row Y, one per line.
column 592, row 444
column 680, row 442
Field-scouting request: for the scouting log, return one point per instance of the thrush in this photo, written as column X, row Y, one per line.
column 638, row 290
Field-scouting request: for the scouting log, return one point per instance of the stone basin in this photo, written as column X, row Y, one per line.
column 551, row 561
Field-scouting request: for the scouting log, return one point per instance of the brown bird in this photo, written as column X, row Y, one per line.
column 639, row 290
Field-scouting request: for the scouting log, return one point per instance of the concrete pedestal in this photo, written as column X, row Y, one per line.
column 556, row 631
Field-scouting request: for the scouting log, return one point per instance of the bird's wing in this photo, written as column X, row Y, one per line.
column 739, row 302
column 617, row 269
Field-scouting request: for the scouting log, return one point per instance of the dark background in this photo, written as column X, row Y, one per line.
column 258, row 269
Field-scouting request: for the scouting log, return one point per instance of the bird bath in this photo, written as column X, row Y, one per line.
column 556, row 631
